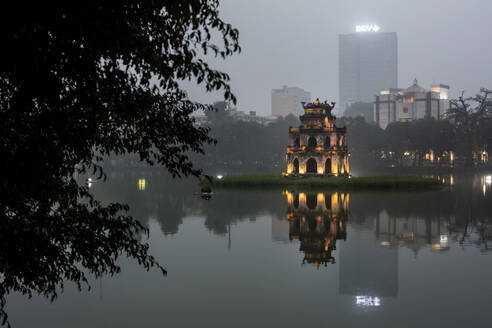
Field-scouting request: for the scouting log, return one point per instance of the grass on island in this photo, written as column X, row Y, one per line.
column 369, row 182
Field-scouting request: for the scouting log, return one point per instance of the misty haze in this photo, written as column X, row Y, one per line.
column 223, row 163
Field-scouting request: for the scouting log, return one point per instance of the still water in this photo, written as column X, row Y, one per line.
column 290, row 259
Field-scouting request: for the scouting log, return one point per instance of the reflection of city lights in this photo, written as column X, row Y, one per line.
column 436, row 247
column 302, row 198
column 290, row 198
column 334, row 201
column 142, row 184
column 488, row 179
column 444, row 241
column 442, row 245
column 385, row 243
column 367, row 301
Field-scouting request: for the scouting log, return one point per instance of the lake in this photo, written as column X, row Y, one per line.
column 290, row 259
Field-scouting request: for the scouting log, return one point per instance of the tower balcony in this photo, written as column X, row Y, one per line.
column 314, row 129
column 318, row 149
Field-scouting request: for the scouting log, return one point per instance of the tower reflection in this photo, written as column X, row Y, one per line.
column 317, row 220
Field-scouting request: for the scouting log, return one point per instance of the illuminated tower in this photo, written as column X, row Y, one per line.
column 317, row 146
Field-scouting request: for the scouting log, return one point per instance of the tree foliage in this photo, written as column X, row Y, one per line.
column 365, row 142
column 471, row 117
column 80, row 80
column 246, row 146
column 363, row 109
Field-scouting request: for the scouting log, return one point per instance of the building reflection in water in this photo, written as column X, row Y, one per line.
column 317, row 220
column 368, row 264
column 368, row 256
column 412, row 232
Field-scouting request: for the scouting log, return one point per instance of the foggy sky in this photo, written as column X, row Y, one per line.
column 295, row 43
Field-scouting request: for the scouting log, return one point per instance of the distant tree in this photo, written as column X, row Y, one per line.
column 363, row 109
column 246, row 146
column 419, row 137
column 398, row 140
column 218, row 111
column 430, row 134
column 80, row 80
column 470, row 116
column 365, row 142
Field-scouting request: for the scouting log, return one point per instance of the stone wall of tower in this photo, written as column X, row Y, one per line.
column 317, row 147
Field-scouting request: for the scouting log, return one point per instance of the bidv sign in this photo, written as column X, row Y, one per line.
column 367, row 28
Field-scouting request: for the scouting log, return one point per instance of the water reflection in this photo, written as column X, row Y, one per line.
column 382, row 257
column 368, row 263
column 142, row 184
column 434, row 220
column 412, row 232
column 317, row 221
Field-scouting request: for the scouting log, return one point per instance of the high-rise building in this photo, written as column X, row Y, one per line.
column 288, row 100
column 368, row 63
column 412, row 103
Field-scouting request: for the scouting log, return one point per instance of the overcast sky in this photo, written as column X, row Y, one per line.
column 295, row 43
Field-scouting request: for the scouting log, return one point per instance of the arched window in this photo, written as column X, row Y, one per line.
column 328, row 166
column 311, row 166
column 312, row 142
column 296, row 166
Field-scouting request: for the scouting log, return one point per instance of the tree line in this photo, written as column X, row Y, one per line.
column 461, row 139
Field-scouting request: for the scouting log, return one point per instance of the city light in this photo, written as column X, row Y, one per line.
column 367, row 28
column 142, row 184
column 443, row 241
column 368, row 301
column 220, row 176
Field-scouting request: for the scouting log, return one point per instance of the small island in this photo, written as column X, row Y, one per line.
column 317, row 157
column 317, row 183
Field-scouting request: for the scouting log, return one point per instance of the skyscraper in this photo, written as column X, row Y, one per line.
column 288, row 100
column 368, row 63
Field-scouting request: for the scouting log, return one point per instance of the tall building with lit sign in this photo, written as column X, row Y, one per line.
column 368, row 63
